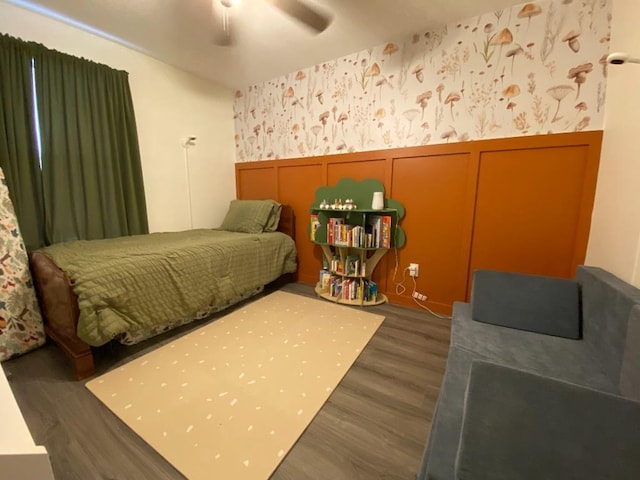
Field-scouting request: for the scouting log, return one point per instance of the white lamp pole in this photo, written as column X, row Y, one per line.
column 186, row 144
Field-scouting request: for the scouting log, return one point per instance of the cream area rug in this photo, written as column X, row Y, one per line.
column 229, row 400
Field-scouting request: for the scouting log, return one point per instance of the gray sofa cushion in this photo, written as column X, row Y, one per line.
column 576, row 361
column 524, row 426
column 527, row 302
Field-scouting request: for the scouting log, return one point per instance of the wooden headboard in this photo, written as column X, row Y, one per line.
column 287, row 223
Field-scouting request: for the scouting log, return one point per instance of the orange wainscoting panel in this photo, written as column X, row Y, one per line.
column 259, row 183
column 437, row 192
column 358, row 171
column 297, row 187
column 528, row 210
column 517, row 204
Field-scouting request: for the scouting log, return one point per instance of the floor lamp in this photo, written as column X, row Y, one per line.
column 189, row 142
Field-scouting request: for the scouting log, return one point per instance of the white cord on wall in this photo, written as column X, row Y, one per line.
column 401, row 289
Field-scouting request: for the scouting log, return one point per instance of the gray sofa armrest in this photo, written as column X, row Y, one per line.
column 438, row 462
column 607, row 302
column 630, row 370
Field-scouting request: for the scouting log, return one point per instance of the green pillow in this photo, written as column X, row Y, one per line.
column 249, row 216
column 274, row 218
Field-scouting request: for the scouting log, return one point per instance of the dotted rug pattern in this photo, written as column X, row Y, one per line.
column 230, row 399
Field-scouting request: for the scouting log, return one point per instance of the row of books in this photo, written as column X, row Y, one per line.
column 351, row 265
column 375, row 234
column 349, row 289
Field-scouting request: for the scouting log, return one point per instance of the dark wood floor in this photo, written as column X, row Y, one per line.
column 374, row 425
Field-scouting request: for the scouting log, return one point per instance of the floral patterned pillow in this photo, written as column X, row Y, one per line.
column 21, row 328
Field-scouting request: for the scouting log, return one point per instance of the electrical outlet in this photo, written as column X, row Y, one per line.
column 414, row 269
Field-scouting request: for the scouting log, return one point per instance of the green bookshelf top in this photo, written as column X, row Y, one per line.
column 362, row 195
column 360, row 192
column 355, row 210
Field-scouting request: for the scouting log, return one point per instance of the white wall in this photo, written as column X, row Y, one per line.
column 614, row 243
column 169, row 104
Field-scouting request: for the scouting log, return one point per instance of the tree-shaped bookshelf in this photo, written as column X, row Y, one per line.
column 353, row 237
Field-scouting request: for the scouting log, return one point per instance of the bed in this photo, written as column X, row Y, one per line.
column 129, row 289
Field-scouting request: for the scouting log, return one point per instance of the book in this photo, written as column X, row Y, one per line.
column 315, row 224
column 357, row 235
column 375, row 223
column 373, row 291
column 352, row 265
column 385, row 240
column 324, row 279
column 335, row 286
column 337, row 265
column 333, row 230
column 380, row 229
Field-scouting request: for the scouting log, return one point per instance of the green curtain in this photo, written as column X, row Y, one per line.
column 18, row 148
column 91, row 169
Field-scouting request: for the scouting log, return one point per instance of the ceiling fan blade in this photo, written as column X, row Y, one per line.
column 304, row 13
column 223, row 38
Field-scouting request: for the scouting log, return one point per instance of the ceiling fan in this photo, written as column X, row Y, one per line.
column 297, row 9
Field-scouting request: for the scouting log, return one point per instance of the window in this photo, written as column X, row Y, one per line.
column 68, row 146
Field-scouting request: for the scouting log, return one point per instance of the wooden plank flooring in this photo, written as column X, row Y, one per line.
column 374, row 425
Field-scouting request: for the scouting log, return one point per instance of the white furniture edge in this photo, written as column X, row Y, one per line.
column 20, row 457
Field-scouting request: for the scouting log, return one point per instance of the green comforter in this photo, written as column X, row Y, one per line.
column 131, row 284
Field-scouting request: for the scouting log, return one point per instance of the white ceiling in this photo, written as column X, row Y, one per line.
column 269, row 43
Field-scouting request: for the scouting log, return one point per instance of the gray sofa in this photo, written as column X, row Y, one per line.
column 606, row 360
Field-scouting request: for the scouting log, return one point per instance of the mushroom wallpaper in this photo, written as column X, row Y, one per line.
column 535, row 68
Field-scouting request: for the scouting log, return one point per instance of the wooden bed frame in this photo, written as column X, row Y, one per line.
column 59, row 304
